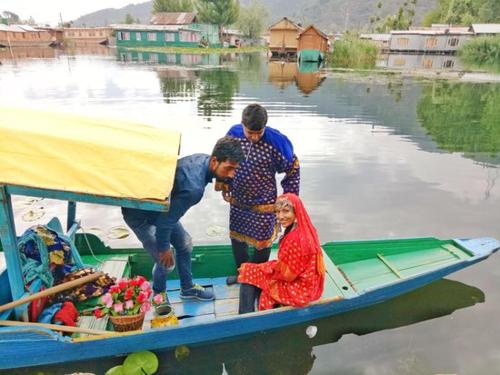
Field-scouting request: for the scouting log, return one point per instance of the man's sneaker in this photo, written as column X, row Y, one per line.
column 197, row 292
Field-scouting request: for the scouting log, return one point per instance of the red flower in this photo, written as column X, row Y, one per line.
column 122, row 284
column 140, row 279
column 97, row 313
column 114, row 289
column 142, row 297
column 129, row 293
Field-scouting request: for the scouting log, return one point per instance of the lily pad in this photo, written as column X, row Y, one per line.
column 119, row 232
column 181, row 352
column 216, row 231
column 140, row 363
column 33, row 215
column 117, row 370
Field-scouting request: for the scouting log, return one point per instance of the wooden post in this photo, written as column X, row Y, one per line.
column 9, row 244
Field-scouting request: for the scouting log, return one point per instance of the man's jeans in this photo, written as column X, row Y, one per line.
column 180, row 240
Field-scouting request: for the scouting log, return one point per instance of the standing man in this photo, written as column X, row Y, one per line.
column 159, row 231
column 252, row 192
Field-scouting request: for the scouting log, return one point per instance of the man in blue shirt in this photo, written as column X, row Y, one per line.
column 157, row 231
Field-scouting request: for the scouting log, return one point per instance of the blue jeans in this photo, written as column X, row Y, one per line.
column 182, row 243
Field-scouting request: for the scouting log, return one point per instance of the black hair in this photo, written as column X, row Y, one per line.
column 254, row 117
column 228, row 148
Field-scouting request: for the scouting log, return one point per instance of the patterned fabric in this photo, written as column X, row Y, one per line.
column 47, row 255
column 253, row 189
column 297, row 277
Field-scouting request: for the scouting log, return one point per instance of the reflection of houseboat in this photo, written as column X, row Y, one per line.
column 28, row 52
column 125, row 55
column 23, row 35
column 87, row 35
column 307, row 76
column 423, row 61
column 312, row 44
column 283, row 38
column 429, row 40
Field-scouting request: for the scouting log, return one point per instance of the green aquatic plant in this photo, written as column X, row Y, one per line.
column 352, row 52
column 140, row 363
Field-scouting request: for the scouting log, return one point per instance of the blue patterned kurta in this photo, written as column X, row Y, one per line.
column 253, row 189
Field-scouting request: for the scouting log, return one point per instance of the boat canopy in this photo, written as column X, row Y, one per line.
column 85, row 155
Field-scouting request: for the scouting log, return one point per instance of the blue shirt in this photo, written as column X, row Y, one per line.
column 191, row 177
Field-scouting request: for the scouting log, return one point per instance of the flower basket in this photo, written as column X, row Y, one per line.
column 123, row 323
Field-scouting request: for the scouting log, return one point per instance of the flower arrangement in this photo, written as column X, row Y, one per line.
column 127, row 297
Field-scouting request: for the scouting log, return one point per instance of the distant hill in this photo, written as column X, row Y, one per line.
column 329, row 15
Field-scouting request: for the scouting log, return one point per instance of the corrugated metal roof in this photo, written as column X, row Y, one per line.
column 380, row 37
column 486, row 28
column 173, row 18
column 27, row 28
column 430, row 32
column 135, row 27
column 12, row 28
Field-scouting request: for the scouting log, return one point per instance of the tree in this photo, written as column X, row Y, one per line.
column 464, row 12
column 402, row 20
column 10, row 17
column 218, row 12
column 252, row 19
column 129, row 19
column 172, row 6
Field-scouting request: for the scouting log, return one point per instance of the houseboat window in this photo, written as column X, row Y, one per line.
column 171, row 58
column 137, row 36
column 400, row 61
column 427, row 63
column 448, row 64
column 153, row 57
column 152, row 37
column 453, row 42
column 431, row 42
column 403, row 42
column 188, row 36
column 169, row 37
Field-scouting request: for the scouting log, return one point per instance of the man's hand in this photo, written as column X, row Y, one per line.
column 167, row 258
column 226, row 195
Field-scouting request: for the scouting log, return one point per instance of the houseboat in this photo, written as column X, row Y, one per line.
column 283, row 38
column 312, row 45
column 429, row 40
column 23, row 36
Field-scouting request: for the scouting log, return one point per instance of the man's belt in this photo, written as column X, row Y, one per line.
column 260, row 208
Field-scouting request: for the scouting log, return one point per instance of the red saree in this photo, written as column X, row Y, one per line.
column 297, row 277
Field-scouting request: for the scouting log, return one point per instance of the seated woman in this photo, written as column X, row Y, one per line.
column 297, row 277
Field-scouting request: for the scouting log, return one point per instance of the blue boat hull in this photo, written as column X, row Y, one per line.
column 23, row 346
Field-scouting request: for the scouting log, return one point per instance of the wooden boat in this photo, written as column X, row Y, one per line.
column 359, row 273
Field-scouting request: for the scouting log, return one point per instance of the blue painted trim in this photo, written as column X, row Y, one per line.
column 89, row 198
column 71, row 215
column 9, row 244
column 30, row 352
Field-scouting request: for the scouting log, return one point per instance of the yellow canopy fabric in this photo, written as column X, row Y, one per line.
column 86, row 155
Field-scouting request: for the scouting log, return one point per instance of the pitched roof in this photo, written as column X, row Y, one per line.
column 486, row 28
column 315, row 29
column 290, row 22
column 173, row 18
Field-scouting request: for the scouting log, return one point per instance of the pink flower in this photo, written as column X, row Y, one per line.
column 107, row 299
column 145, row 286
column 158, row 299
column 129, row 304
column 118, row 307
column 145, row 307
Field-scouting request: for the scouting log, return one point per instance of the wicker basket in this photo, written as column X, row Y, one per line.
column 123, row 323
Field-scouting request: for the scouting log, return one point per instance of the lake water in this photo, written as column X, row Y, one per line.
column 382, row 155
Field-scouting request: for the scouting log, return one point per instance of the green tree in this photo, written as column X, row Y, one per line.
column 172, row 6
column 218, row 12
column 402, row 20
column 253, row 19
column 464, row 12
column 10, row 17
column 129, row 19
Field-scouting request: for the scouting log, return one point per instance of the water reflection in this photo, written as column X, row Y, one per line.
column 420, row 61
column 307, row 76
column 27, row 53
column 276, row 353
column 463, row 117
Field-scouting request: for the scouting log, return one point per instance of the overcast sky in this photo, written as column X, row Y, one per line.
column 48, row 11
